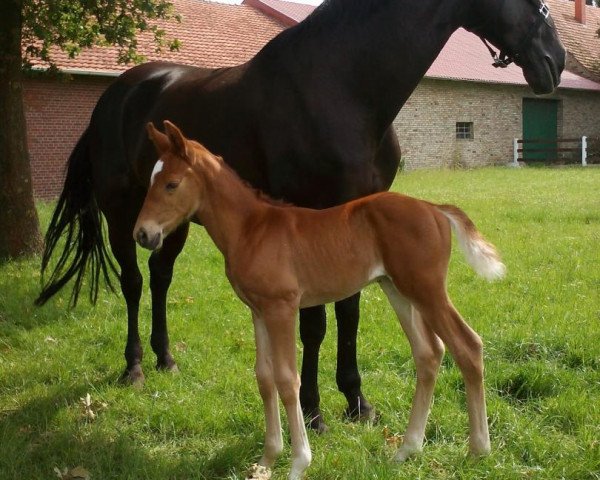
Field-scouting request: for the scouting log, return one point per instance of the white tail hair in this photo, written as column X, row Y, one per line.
column 479, row 253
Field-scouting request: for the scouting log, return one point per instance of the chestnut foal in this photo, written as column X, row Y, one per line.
column 280, row 258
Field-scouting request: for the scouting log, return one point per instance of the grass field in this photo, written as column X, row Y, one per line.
column 540, row 326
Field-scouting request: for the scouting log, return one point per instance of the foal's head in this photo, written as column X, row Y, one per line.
column 175, row 189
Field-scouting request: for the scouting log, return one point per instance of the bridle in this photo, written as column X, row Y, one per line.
column 505, row 58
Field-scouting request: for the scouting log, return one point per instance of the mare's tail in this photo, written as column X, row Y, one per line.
column 480, row 254
column 76, row 228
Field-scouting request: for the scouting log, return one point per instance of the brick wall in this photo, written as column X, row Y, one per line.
column 57, row 112
column 426, row 125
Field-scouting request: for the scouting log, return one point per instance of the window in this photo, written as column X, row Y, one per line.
column 464, row 130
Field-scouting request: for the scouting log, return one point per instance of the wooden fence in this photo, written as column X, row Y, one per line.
column 550, row 150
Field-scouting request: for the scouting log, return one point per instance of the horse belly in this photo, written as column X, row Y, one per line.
column 330, row 280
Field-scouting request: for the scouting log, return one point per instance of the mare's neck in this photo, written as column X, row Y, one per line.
column 226, row 204
column 373, row 51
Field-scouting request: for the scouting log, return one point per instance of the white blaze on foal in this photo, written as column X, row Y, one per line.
column 158, row 167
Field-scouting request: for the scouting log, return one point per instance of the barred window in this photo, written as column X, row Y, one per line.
column 464, row 130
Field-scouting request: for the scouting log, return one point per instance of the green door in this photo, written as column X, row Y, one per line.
column 540, row 122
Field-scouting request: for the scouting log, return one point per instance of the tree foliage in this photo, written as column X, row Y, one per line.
column 29, row 29
column 73, row 26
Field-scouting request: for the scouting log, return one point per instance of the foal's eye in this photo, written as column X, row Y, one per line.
column 171, row 186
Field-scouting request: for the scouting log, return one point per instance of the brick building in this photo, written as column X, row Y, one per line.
column 462, row 95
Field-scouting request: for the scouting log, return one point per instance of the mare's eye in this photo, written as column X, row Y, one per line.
column 171, row 186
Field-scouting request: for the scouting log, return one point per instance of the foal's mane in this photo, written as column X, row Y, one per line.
column 259, row 194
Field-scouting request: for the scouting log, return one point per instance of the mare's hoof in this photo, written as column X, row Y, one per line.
column 315, row 422
column 366, row 414
column 258, row 472
column 167, row 367
column 133, row 376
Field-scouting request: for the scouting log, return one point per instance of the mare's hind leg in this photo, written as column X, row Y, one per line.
column 313, row 325
column 123, row 248
column 348, row 379
column 161, row 273
column 427, row 350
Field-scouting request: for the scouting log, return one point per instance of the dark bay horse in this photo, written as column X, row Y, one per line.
column 307, row 120
column 280, row 258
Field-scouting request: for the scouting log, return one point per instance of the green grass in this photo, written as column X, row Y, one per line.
column 541, row 329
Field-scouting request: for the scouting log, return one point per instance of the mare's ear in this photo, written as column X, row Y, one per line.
column 177, row 140
column 159, row 139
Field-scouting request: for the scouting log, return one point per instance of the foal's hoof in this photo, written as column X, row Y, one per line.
column 405, row 452
column 133, row 376
column 258, row 472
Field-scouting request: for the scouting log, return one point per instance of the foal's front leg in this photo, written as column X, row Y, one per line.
column 280, row 325
column 268, row 393
column 427, row 350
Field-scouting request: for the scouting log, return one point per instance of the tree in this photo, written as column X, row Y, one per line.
column 28, row 30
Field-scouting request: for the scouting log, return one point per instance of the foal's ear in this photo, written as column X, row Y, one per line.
column 159, row 139
column 177, row 139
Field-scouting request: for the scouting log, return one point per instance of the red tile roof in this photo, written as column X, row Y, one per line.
column 289, row 13
column 212, row 35
column 581, row 41
column 466, row 58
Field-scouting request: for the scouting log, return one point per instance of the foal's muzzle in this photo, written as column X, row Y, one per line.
column 148, row 239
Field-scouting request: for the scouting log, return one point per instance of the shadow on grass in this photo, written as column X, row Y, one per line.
column 42, row 434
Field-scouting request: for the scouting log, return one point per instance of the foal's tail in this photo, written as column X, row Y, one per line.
column 76, row 228
column 480, row 254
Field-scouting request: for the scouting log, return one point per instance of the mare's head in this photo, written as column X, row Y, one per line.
column 175, row 189
column 524, row 32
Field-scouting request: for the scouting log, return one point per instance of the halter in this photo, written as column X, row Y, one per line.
column 504, row 59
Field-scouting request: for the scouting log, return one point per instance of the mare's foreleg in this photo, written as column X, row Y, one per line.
column 427, row 351
column 161, row 273
column 347, row 314
column 123, row 248
column 313, row 325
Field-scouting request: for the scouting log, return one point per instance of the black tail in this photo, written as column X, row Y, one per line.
column 77, row 220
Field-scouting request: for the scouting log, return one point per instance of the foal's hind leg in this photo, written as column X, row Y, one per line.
column 347, row 313
column 161, row 273
column 467, row 349
column 427, row 350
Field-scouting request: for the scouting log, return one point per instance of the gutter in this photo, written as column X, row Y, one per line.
column 79, row 71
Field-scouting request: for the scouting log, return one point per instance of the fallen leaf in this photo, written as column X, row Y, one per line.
column 77, row 473
column 89, row 406
column 392, row 439
column 258, row 472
